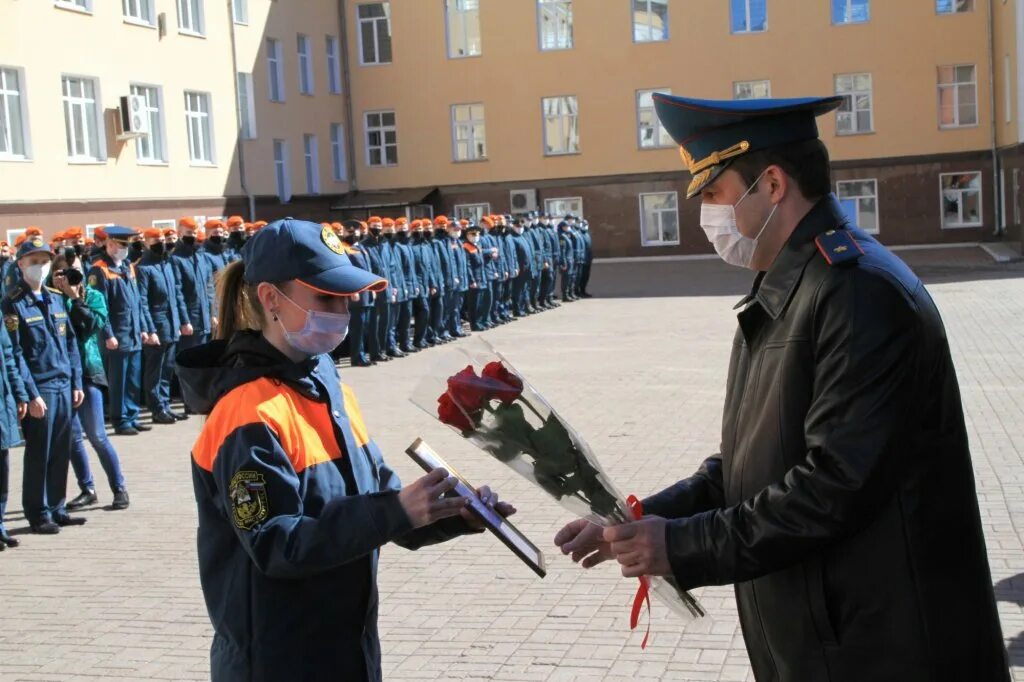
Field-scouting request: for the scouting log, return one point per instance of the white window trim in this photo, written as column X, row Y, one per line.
column 101, row 133
column 359, row 29
column 954, row 12
column 650, row 14
column 164, row 224
column 212, row 163
column 748, row 30
column 311, row 160
column 640, row 206
column 251, row 105
column 540, row 27
column 200, row 20
column 448, row 33
column 278, row 68
column 339, row 160
column 486, row 208
column 955, row 86
column 161, row 113
column 849, row 4
column 878, row 206
column 853, row 96
column 23, row 106
column 544, row 126
column 307, row 72
column 981, row 203
column 551, row 200
column 333, row 57
column 749, row 82
column 70, row 5
column 286, row 175
column 13, row 234
column 383, row 146
column 657, row 122
column 137, row 21
column 471, row 123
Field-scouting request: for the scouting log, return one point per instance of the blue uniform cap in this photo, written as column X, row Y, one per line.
column 32, row 245
column 296, row 249
column 120, row 233
column 711, row 133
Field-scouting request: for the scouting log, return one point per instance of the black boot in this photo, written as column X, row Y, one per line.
column 84, row 500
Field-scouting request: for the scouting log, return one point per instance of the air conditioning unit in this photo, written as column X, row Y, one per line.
column 134, row 117
column 523, row 200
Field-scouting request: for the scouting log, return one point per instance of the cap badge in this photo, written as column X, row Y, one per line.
column 331, row 240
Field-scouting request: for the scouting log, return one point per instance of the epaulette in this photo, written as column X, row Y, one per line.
column 839, row 247
column 17, row 290
column 54, row 291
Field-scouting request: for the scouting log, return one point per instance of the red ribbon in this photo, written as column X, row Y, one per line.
column 642, row 592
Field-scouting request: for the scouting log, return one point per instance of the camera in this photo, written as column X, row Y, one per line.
column 73, row 276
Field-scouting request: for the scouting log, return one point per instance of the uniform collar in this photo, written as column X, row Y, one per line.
column 774, row 289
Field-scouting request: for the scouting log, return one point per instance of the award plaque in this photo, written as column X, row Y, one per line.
column 427, row 458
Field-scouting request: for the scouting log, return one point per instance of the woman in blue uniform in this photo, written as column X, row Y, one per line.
column 294, row 498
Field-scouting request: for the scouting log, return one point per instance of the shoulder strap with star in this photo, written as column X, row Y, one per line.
column 838, row 247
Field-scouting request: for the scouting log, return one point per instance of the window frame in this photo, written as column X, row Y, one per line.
column 164, row 224
column 448, row 9
column 849, row 8
column 198, row 20
column 858, row 197
column 540, row 26
column 275, row 70
column 247, row 125
column 162, row 159
column 311, row 163
column 282, row 183
column 20, row 93
column 649, row 25
column 333, row 48
column 376, row 36
column 137, row 20
column 544, row 127
column 244, row 4
column 661, row 229
column 981, row 202
column 477, row 211
column 955, row 86
column 853, row 94
column 658, row 127
column 552, row 200
column 13, row 233
column 383, row 131
column 748, row 30
column 208, row 115
column 471, row 139
column 80, row 6
column 953, row 11
column 101, row 133
column 307, row 86
column 753, row 81
column 339, row 162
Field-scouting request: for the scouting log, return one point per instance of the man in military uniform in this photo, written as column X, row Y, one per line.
column 361, row 304
column 402, row 247
column 399, row 290
column 428, row 274
column 380, row 265
column 194, row 273
column 566, row 259
column 446, row 267
column 842, row 505
column 588, row 259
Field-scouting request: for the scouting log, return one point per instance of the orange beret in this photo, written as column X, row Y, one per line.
column 100, row 233
column 362, row 225
column 486, row 221
column 73, row 232
column 402, row 221
column 32, row 231
column 388, row 222
column 441, row 220
column 169, row 231
column 89, row 241
column 260, row 223
column 235, row 221
column 4, row 244
column 463, row 222
column 416, row 223
column 20, row 239
column 373, row 219
column 337, row 226
column 152, row 233
column 187, row 222
column 57, row 237
column 213, row 224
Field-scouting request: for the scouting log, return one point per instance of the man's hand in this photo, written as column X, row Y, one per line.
column 640, row 547
column 186, row 329
column 37, row 408
column 584, row 540
column 154, row 339
column 111, row 343
column 77, row 396
column 490, row 498
column 214, row 321
column 424, row 502
column 22, row 410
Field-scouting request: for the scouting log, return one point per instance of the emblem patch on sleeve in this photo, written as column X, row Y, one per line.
column 92, row 281
column 248, row 493
column 11, row 322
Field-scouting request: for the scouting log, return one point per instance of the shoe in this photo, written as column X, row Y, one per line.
column 164, row 418
column 586, row 295
column 422, row 345
column 126, row 431
column 142, row 427
column 65, row 520
column 44, row 528
column 395, row 353
column 84, row 500
column 362, row 363
column 180, row 416
column 408, row 349
column 7, row 540
column 120, row 499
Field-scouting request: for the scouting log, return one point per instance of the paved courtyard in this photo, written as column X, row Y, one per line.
column 639, row 372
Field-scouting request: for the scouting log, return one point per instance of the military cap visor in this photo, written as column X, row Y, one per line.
column 711, row 134
column 34, row 244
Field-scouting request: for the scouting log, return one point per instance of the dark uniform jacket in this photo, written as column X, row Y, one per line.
column 195, row 274
column 359, row 259
column 163, row 305
column 12, row 392
column 294, row 500
column 842, row 505
column 119, row 287
column 43, row 340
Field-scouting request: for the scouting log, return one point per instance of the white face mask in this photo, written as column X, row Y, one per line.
column 36, row 274
column 474, row 238
column 719, row 224
column 120, row 254
column 321, row 333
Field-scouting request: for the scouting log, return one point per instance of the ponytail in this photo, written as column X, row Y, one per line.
column 239, row 305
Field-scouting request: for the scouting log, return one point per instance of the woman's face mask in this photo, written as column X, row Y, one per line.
column 321, row 333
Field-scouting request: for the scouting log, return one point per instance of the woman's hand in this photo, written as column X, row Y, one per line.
column 424, row 502
column 490, row 498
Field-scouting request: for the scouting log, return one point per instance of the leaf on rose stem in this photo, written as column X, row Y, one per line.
column 556, row 453
column 510, row 422
column 550, row 484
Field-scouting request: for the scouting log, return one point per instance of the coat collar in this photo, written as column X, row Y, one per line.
column 774, row 289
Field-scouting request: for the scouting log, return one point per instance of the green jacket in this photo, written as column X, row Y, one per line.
column 88, row 317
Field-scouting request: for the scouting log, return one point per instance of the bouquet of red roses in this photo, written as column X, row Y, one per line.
column 476, row 391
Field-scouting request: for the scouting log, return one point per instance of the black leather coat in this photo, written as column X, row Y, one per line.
column 842, row 505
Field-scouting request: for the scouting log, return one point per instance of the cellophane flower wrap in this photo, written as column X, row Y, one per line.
column 476, row 391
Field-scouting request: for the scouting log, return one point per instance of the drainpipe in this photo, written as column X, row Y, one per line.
column 346, row 90
column 239, row 142
column 996, row 184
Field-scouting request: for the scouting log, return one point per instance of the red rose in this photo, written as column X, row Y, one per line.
column 449, row 413
column 505, row 386
column 468, row 390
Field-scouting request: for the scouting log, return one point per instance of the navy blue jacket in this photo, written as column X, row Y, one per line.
column 194, row 272
column 413, row 287
column 43, row 341
column 460, row 270
column 506, row 242
column 444, row 260
column 475, row 265
column 427, row 268
column 380, row 262
column 399, row 287
column 489, row 247
column 566, row 249
column 12, row 392
column 294, row 500
column 524, row 254
column 120, row 288
column 163, row 306
column 359, row 259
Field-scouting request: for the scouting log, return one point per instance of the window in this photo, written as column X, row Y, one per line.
column 81, row 119
column 659, row 219
column 850, row 11
column 305, row 66
column 240, row 11
column 652, row 134
column 953, row 6
column 339, row 168
column 275, row 70
column 958, row 96
column 13, row 137
column 312, row 161
column 748, row 16
column 468, row 139
column 561, row 125
column 859, row 201
column 190, row 17
column 150, row 148
column 282, row 174
column 333, row 66
column 139, row 11
column 650, row 20
column 381, row 139
column 462, row 18
column 246, row 107
column 200, row 130
column 80, row 5
column 564, row 206
column 554, row 19
column 473, row 212
column 375, row 33
column 961, row 199
column 164, row 224
column 855, row 113
column 14, row 234
column 751, row 89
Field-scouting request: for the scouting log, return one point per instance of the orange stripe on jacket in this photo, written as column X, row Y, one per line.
column 303, row 426
column 102, row 265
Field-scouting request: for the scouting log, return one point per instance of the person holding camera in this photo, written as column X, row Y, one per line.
column 87, row 310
